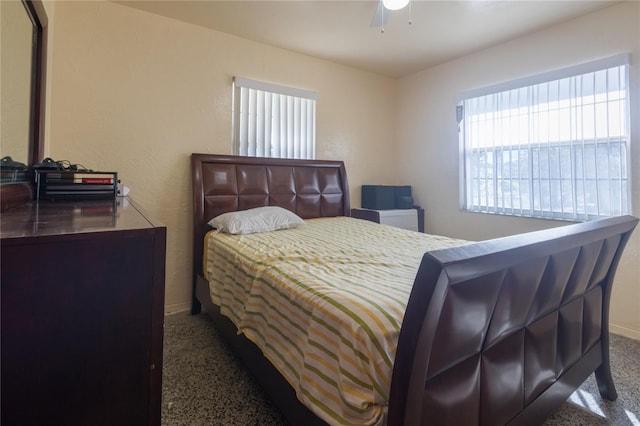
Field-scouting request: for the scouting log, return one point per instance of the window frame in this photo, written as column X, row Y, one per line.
column 466, row 178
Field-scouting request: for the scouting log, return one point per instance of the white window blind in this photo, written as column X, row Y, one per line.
column 273, row 121
column 553, row 146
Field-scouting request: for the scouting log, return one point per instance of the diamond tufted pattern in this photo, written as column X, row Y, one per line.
column 224, row 183
column 308, row 191
column 507, row 320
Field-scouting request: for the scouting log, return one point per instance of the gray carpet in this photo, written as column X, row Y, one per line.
column 204, row 384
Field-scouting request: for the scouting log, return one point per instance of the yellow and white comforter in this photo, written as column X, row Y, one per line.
column 325, row 303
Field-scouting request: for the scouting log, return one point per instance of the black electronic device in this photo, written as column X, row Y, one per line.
column 75, row 185
column 403, row 198
column 49, row 164
column 378, row 197
column 13, row 171
column 8, row 163
column 386, row 197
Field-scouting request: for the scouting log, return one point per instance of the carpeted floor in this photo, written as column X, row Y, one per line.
column 204, row 384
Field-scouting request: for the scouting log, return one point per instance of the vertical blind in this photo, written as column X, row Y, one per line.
column 273, row 121
column 558, row 148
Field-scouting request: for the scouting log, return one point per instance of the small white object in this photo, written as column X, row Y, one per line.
column 123, row 191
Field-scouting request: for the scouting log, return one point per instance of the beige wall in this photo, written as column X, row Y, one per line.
column 137, row 93
column 428, row 133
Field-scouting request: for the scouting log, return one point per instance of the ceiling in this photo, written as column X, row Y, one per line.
column 341, row 31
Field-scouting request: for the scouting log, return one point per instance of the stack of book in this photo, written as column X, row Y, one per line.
column 75, row 185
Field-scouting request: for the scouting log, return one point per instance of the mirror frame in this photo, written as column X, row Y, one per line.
column 38, row 16
column 17, row 193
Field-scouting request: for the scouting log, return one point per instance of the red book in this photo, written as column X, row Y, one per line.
column 97, row 180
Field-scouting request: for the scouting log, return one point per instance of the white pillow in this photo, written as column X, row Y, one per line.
column 259, row 219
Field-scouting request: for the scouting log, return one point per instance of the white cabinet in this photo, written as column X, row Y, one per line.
column 411, row 219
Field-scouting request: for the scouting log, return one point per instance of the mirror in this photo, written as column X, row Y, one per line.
column 22, row 71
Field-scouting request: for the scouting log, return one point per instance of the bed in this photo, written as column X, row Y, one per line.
column 495, row 332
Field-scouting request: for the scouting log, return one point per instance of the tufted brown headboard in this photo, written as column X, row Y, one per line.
column 224, row 183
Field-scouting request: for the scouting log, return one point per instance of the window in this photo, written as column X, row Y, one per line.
column 553, row 146
column 273, row 121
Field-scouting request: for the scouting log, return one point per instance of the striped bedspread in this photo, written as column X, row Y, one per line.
column 325, row 303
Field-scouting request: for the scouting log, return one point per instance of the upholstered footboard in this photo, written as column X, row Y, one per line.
column 503, row 331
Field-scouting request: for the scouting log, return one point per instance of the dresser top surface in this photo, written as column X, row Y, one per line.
column 44, row 218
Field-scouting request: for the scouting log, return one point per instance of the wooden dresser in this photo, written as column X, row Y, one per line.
column 82, row 314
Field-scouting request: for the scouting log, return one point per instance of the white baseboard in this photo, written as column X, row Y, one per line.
column 177, row 307
column 624, row 331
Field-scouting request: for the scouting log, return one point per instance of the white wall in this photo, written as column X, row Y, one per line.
column 137, row 93
column 427, row 131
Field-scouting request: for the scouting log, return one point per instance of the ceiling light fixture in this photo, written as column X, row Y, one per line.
column 395, row 4
column 384, row 6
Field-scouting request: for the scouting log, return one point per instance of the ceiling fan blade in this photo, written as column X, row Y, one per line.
column 380, row 16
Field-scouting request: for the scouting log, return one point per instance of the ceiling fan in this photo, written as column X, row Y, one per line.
column 383, row 10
